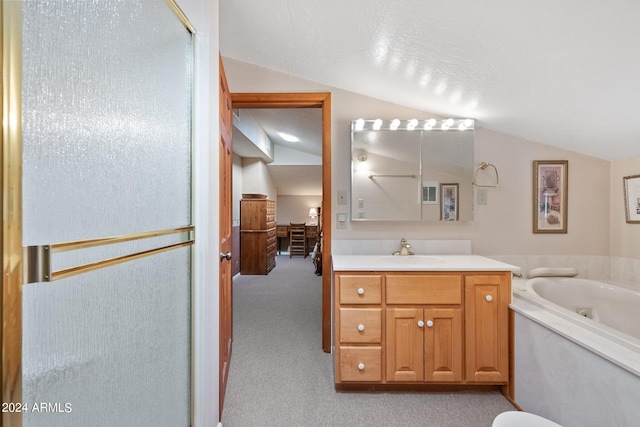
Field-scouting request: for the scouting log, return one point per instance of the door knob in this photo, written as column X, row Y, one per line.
column 224, row 256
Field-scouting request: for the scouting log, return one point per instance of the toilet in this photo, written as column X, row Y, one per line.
column 521, row 419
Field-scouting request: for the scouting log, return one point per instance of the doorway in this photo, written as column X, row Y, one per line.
column 307, row 100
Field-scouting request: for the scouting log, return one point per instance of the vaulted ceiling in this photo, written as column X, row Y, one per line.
column 560, row 73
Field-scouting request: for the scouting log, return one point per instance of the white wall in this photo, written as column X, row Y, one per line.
column 203, row 15
column 248, row 126
column 296, row 209
column 504, row 225
column 256, row 178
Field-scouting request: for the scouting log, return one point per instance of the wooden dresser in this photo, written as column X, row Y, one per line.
column 257, row 236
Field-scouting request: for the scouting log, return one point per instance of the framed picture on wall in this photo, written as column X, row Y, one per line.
column 449, row 202
column 550, row 196
column 632, row 198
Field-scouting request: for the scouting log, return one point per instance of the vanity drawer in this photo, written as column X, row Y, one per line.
column 424, row 289
column 360, row 325
column 360, row 289
column 361, row 363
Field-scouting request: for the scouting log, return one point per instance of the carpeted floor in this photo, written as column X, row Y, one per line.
column 279, row 375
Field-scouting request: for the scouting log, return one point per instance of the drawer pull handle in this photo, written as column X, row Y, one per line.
column 488, row 298
column 420, row 323
column 429, row 323
column 361, row 327
column 360, row 291
column 361, row 366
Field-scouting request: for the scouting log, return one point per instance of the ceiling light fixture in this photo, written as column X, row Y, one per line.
column 287, row 137
column 362, row 125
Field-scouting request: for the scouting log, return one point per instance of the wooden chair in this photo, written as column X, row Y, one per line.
column 297, row 240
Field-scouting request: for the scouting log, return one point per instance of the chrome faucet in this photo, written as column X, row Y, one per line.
column 404, row 248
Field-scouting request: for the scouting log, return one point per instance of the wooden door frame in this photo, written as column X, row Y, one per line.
column 308, row 100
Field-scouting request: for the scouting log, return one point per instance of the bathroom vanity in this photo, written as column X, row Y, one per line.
column 421, row 322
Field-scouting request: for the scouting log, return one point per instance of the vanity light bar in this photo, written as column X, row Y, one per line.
column 413, row 124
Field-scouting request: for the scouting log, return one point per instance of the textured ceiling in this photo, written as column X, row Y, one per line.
column 559, row 73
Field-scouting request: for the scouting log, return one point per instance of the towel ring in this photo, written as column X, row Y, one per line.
column 483, row 166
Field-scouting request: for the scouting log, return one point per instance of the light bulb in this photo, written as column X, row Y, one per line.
column 429, row 124
column 394, row 124
column 377, row 124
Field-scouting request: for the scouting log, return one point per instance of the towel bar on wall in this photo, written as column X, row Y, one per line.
column 393, row 176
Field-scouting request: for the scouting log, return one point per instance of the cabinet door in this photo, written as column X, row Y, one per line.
column 443, row 344
column 404, row 344
column 487, row 327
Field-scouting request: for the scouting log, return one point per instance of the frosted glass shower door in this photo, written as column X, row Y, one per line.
column 106, row 101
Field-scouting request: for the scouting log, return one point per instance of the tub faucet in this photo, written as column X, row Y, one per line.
column 404, row 248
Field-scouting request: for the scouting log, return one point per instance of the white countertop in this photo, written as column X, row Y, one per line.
column 418, row 263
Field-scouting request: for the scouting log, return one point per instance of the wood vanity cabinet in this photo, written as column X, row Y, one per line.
column 422, row 328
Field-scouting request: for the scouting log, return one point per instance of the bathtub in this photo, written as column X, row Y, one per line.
column 615, row 308
column 577, row 350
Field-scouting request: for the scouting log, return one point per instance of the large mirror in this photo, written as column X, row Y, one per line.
column 410, row 170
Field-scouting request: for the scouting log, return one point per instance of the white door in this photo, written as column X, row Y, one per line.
column 106, row 189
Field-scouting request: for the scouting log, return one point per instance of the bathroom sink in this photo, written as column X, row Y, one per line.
column 412, row 260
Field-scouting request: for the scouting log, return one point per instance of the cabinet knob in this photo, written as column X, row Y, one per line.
column 429, row 323
column 361, row 327
column 420, row 323
column 360, row 291
column 361, row 366
column 488, row 298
